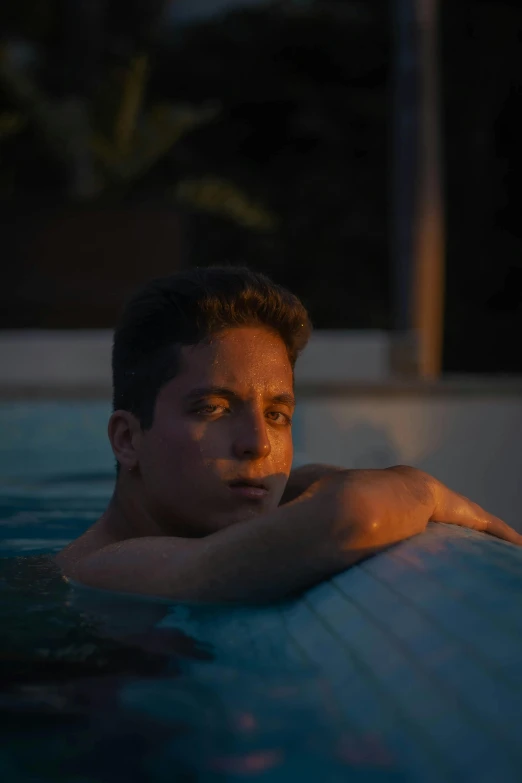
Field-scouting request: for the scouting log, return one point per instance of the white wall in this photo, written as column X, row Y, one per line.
column 471, row 441
column 38, row 361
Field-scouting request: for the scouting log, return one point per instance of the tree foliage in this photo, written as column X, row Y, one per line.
column 267, row 128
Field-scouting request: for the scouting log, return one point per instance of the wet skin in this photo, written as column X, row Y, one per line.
column 226, row 416
column 175, row 526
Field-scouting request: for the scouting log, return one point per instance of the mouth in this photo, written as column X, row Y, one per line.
column 251, row 489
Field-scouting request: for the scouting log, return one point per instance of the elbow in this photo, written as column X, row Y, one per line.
column 360, row 529
column 363, row 538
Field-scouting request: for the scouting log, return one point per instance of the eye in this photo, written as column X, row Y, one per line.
column 278, row 417
column 210, row 408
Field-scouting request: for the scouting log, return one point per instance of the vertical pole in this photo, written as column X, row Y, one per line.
column 429, row 240
column 404, row 159
column 405, row 128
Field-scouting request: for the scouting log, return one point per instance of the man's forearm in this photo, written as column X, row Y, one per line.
column 265, row 559
column 295, row 547
column 342, row 518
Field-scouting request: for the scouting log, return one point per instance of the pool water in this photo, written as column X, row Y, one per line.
column 99, row 691
column 405, row 668
column 99, row 687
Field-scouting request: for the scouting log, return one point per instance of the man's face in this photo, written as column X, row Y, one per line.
column 222, row 422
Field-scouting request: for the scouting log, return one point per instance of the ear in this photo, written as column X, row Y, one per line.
column 125, row 434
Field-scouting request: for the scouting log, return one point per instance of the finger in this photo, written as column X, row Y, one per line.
column 455, row 509
column 496, row 527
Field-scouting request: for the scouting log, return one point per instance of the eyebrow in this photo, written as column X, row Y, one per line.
column 222, row 391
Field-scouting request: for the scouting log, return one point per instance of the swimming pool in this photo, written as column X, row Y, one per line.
column 404, row 668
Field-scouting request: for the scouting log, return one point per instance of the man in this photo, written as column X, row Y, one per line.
column 206, row 507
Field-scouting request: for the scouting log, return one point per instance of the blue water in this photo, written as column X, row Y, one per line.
column 406, row 668
column 94, row 688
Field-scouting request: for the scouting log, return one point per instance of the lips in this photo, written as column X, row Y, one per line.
column 247, row 482
column 249, row 489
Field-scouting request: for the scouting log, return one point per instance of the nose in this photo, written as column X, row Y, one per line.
column 251, row 439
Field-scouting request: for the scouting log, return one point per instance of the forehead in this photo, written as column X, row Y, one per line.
column 240, row 357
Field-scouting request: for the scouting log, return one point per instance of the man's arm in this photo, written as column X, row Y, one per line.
column 302, row 478
column 338, row 521
column 263, row 559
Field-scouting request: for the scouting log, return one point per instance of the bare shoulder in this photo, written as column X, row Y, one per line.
column 94, row 539
column 148, row 565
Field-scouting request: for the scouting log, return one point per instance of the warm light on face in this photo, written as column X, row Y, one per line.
column 223, row 424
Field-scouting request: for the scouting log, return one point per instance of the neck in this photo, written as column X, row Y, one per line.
column 126, row 515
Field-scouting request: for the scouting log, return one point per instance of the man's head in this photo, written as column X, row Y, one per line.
column 203, row 385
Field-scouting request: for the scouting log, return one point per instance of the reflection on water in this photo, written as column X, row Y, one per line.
column 105, row 687
column 135, row 701
column 356, row 680
column 405, row 668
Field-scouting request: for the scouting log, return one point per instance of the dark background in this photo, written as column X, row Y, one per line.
column 262, row 136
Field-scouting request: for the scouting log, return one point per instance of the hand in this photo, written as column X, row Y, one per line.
column 390, row 505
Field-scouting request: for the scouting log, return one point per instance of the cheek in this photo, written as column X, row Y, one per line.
column 183, row 454
column 176, row 448
column 282, row 452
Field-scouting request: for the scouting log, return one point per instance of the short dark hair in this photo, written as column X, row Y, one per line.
column 185, row 309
